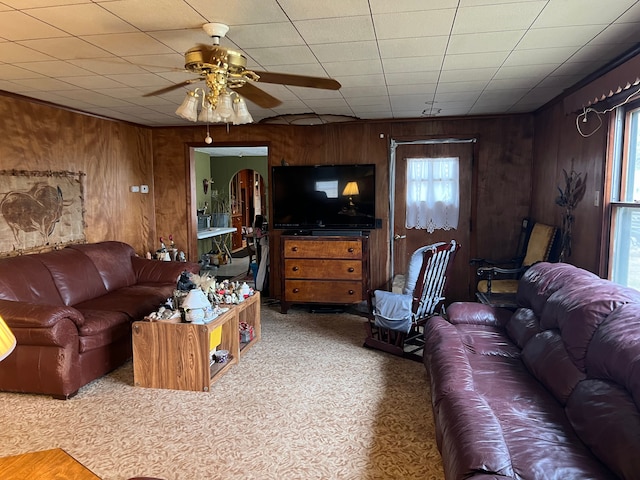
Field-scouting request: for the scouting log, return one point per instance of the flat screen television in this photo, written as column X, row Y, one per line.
column 329, row 197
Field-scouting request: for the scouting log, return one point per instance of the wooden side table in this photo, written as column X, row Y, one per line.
column 55, row 464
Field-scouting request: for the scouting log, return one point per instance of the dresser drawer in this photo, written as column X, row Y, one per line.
column 335, row 269
column 300, row 248
column 323, row 291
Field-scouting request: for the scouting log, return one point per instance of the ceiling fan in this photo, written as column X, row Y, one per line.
column 224, row 71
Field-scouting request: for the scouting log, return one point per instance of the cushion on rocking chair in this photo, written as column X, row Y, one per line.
column 392, row 310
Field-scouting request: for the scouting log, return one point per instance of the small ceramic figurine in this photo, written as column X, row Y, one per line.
column 182, row 257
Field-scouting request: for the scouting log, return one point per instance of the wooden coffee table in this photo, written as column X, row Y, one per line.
column 45, row 465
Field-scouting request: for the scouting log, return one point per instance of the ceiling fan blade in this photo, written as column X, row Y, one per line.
column 299, row 80
column 172, row 87
column 257, row 96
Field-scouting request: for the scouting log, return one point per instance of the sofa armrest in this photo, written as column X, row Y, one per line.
column 156, row 271
column 477, row 314
column 32, row 315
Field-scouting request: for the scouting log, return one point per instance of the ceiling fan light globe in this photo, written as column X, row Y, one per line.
column 242, row 113
column 189, row 108
column 206, row 114
column 224, row 107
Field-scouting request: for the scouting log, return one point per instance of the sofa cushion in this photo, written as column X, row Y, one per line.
column 74, row 274
column 112, row 260
column 102, row 328
column 26, row 279
column 135, row 301
column 522, row 325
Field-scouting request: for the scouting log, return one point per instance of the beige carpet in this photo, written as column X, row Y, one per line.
column 306, row 402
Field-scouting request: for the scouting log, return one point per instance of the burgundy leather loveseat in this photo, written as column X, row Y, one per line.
column 550, row 391
column 71, row 312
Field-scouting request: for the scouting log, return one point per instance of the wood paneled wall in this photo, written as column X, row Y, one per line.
column 558, row 146
column 504, row 159
column 113, row 155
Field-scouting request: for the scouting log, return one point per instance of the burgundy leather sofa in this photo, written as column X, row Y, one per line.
column 71, row 312
column 550, row 391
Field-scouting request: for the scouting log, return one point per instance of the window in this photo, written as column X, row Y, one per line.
column 433, row 200
column 624, row 264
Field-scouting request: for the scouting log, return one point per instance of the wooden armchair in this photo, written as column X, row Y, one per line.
column 498, row 279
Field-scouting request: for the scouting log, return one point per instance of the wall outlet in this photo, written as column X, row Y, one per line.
column 135, row 188
column 596, row 200
column 144, row 188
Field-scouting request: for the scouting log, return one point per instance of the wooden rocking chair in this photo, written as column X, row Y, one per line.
column 396, row 320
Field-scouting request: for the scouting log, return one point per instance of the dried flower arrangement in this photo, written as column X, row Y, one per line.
column 574, row 190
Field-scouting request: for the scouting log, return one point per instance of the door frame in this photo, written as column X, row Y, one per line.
column 394, row 144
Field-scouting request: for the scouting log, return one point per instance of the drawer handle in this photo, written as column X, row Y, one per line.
column 351, row 292
column 295, row 269
column 294, row 249
column 350, row 250
column 296, row 290
column 351, row 270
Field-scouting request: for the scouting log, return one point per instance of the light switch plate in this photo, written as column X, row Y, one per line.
column 144, row 188
column 135, row 188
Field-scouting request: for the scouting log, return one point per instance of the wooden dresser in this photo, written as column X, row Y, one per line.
column 324, row 269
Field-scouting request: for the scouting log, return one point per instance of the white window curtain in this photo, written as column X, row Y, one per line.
column 433, row 200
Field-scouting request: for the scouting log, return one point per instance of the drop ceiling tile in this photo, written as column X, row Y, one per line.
column 412, row 64
column 455, row 87
column 345, row 51
column 363, row 81
column 94, row 82
column 326, row 102
column 84, row 19
column 619, row 33
column 571, row 36
column 419, row 89
column 404, row 102
column 123, row 44
column 520, row 83
column 357, row 67
column 313, row 93
column 526, row 71
column 26, row 4
column 467, row 74
column 107, row 66
column 467, row 96
column 56, row 68
column 14, row 53
column 540, row 56
column 183, row 39
column 47, row 84
column 474, row 60
column 239, row 13
column 148, row 101
column 506, row 97
column 360, row 109
column 475, row 3
column 169, row 62
column 16, row 25
column 333, row 30
column 65, row 48
column 413, row 47
column 577, row 68
column 364, row 91
column 414, row 24
column 484, row 42
column 266, row 35
column 161, row 15
column 120, row 91
column 297, row 10
column 139, row 79
column 368, row 102
column 411, row 78
column 282, row 55
column 581, row 12
column 9, row 72
column 393, row 6
column 497, row 18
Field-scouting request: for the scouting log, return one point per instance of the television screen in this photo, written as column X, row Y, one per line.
column 324, row 197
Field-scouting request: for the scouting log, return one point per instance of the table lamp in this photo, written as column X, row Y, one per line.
column 350, row 190
column 7, row 340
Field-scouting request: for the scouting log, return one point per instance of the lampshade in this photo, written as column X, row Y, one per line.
column 242, row 112
column 189, row 107
column 224, row 107
column 351, row 189
column 7, row 340
column 195, row 299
